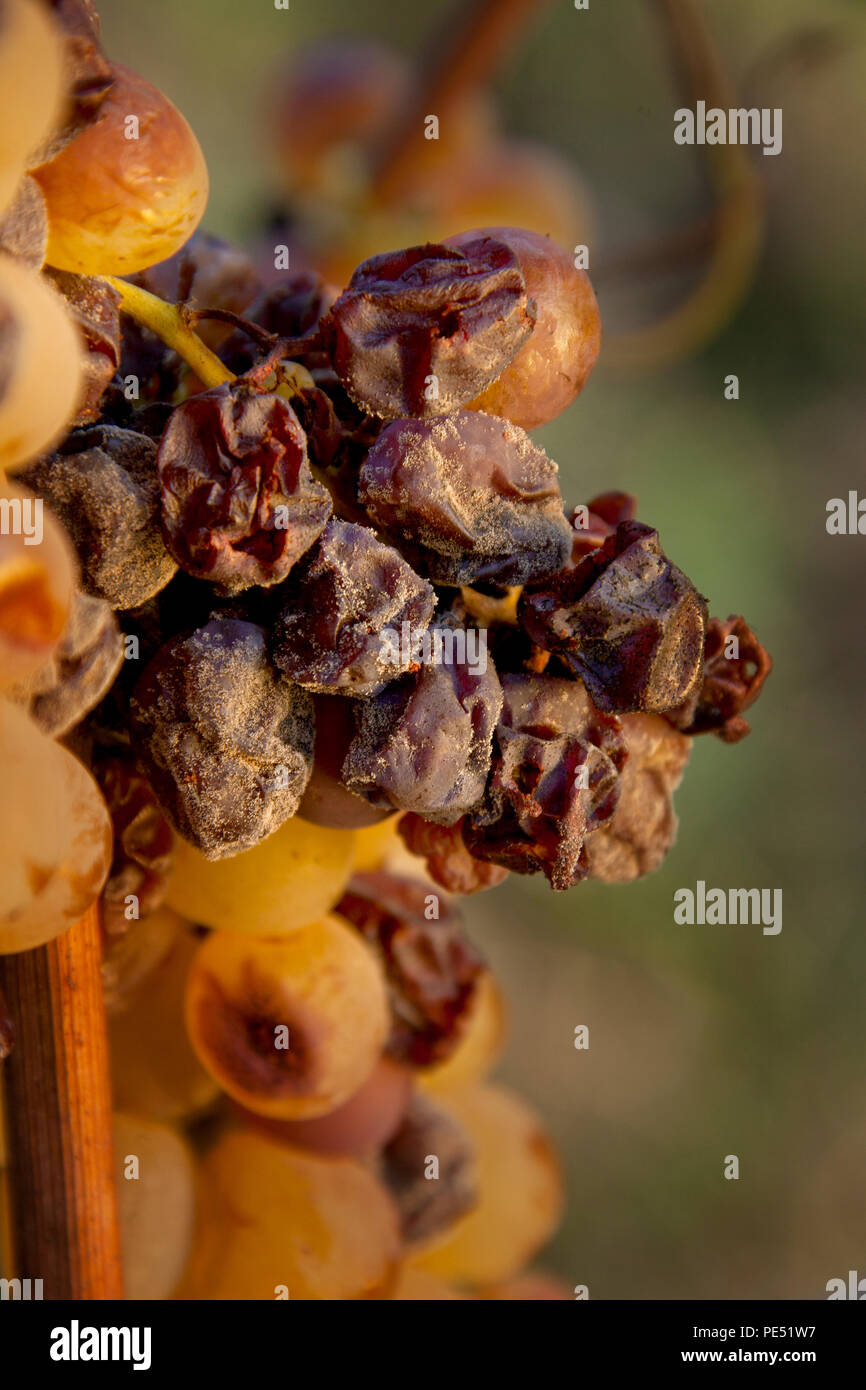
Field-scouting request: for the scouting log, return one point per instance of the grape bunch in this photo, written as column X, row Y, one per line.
column 308, row 647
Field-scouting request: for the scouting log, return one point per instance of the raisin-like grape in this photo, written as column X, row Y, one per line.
column 429, row 1208
column 448, row 860
column 347, row 604
column 423, row 744
column 239, row 503
column 94, row 306
column 226, row 741
column 422, row 331
column 142, row 842
column 290, row 308
column 733, row 677
column 211, row 274
column 431, row 969
column 79, row 672
column 626, row 621
column 555, row 778
column 467, row 498
column 103, row 486
column 643, row 826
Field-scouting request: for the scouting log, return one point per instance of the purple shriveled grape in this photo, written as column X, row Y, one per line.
column 102, row 484
column 447, row 857
column 431, row 968
column 343, row 601
column 421, row 331
column 467, row 497
column 732, row 679
column 423, row 744
column 239, row 503
column 142, row 842
column 554, row 779
column 626, row 621
column 79, row 672
column 226, row 741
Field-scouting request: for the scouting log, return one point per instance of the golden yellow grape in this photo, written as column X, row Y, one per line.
column 288, row 1025
column 41, row 363
column 129, row 957
column 374, row 843
column 55, row 835
column 293, row 877
column 154, row 1071
column 130, row 189
column 478, row 1049
column 155, row 1180
column 520, row 1191
column 555, row 362
column 278, row 1223
column 31, row 86
column 36, row 584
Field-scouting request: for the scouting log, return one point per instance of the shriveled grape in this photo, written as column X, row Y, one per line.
column 227, row 742
column 429, row 316
column 346, row 604
column 424, row 743
column 467, row 497
column 102, row 485
column 239, row 504
column 479, row 1046
column 552, row 368
column 80, row 670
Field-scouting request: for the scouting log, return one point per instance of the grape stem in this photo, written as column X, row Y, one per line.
column 7, row 1028
column 168, row 323
column 172, row 324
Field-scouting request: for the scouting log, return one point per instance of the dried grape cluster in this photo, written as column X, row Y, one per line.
column 308, row 609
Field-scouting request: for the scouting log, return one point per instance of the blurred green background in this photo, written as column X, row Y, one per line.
column 705, row 1041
